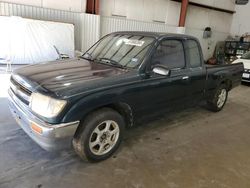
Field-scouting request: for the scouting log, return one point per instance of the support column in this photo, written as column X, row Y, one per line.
column 92, row 7
column 184, row 6
column 97, row 5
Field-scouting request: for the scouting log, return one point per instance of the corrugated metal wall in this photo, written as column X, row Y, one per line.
column 111, row 24
column 10, row 9
column 90, row 30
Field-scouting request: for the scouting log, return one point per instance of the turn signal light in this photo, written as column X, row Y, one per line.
column 36, row 128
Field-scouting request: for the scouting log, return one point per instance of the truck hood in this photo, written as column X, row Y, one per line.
column 67, row 77
column 246, row 62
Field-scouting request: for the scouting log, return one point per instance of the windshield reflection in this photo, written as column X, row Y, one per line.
column 123, row 51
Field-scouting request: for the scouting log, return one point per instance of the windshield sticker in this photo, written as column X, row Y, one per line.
column 134, row 42
column 134, row 60
column 119, row 42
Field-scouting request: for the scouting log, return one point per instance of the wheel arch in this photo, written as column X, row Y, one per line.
column 122, row 108
column 226, row 82
column 125, row 110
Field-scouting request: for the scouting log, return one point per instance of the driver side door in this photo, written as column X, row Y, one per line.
column 168, row 92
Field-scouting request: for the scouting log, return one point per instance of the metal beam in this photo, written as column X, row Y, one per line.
column 183, row 13
column 92, row 6
column 97, row 5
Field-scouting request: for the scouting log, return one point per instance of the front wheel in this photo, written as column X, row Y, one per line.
column 100, row 135
column 219, row 99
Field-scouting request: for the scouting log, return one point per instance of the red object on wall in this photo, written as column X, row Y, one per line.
column 92, row 7
column 183, row 13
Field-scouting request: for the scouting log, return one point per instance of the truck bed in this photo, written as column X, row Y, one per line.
column 229, row 74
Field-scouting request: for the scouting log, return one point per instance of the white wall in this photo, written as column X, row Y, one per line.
column 26, row 2
column 69, row 5
column 111, row 24
column 159, row 15
column 225, row 4
column 141, row 10
column 207, row 45
column 240, row 23
column 90, row 30
column 167, row 13
column 200, row 18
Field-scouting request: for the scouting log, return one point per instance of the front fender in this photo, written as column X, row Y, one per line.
column 87, row 104
column 83, row 106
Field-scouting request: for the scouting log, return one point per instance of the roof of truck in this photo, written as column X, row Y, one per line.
column 155, row 34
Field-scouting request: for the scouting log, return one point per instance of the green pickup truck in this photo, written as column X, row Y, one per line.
column 88, row 102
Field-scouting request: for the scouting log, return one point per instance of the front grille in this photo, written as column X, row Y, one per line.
column 20, row 91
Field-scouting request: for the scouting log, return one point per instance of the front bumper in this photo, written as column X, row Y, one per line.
column 51, row 137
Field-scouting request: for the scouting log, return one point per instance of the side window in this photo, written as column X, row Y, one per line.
column 193, row 53
column 170, row 53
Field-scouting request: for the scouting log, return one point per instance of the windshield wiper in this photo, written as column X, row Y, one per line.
column 110, row 62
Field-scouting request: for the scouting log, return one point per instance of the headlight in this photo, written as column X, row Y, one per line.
column 46, row 106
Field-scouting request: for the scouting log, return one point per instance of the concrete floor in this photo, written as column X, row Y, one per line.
column 192, row 149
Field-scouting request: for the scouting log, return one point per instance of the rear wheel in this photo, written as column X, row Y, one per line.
column 219, row 99
column 100, row 135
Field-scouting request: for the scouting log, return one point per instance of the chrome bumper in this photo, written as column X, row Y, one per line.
column 51, row 137
column 245, row 80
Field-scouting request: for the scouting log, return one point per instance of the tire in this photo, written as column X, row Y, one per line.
column 219, row 99
column 100, row 135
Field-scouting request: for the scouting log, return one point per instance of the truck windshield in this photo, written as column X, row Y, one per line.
column 124, row 51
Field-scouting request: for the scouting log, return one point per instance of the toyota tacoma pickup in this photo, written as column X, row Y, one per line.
column 88, row 102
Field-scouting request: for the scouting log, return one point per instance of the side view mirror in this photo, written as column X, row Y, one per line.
column 161, row 70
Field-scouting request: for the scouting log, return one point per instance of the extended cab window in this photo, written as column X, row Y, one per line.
column 169, row 53
column 193, row 53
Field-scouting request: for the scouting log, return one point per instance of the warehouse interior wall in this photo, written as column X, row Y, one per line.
column 141, row 15
column 68, row 5
column 240, row 23
column 167, row 12
column 200, row 18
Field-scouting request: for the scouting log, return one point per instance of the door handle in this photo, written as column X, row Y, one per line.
column 185, row 77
